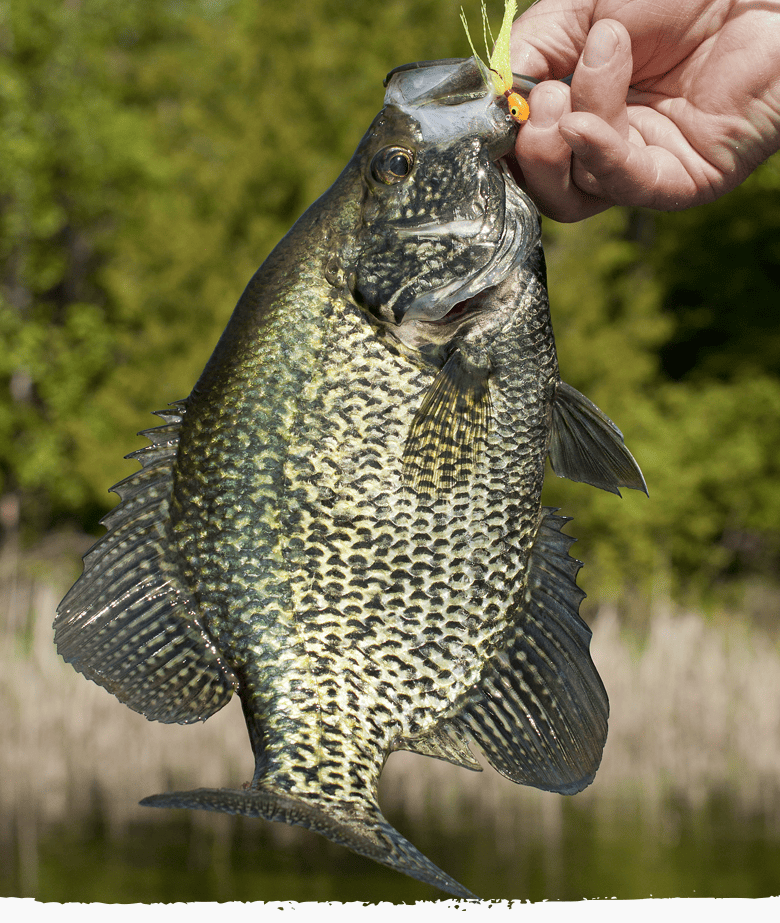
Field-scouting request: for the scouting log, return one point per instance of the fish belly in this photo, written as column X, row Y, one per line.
column 355, row 613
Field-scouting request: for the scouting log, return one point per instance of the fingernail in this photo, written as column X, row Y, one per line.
column 600, row 45
column 548, row 110
column 576, row 142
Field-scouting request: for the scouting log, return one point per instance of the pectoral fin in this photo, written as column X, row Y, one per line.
column 449, row 429
column 585, row 445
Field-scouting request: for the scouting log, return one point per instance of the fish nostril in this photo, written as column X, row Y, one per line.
column 334, row 272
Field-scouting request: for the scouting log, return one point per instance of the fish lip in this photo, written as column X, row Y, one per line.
column 451, row 100
column 418, row 65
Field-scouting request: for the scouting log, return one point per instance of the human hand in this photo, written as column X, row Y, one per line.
column 702, row 111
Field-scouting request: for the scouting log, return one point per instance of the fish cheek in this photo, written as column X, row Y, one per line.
column 390, row 273
column 435, row 229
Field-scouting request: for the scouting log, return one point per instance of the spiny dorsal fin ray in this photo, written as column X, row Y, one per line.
column 362, row 829
column 128, row 623
column 449, row 429
column 585, row 445
column 540, row 709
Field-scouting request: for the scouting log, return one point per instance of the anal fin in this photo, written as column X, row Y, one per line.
column 128, row 623
column 539, row 711
column 585, row 445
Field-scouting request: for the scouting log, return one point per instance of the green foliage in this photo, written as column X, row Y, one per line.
column 151, row 154
column 722, row 293
column 708, row 441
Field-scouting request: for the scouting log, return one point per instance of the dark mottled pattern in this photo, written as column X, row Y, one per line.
column 365, row 613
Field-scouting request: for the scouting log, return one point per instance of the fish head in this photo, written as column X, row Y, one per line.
column 442, row 220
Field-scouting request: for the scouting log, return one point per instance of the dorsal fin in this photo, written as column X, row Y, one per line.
column 539, row 711
column 585, row 445
column 128, row 622
column 448, row 431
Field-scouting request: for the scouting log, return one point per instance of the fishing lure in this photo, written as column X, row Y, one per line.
column 500, row 64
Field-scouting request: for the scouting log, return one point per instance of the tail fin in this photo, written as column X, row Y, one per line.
column 366, row 833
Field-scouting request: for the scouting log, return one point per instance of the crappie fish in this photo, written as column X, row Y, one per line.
column 342, row 523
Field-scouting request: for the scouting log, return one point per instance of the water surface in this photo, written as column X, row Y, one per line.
column 622, row 852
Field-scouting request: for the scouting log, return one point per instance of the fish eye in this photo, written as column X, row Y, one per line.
column 391, row 165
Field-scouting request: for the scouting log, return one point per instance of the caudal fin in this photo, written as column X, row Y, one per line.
column 366, row 833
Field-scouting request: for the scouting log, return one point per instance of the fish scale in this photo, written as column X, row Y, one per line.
column 327, row 558
column 343, row 525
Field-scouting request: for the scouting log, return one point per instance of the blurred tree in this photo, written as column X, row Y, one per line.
column 719, row 267
column 669, row 322
column 151, row 154
column 74, row 147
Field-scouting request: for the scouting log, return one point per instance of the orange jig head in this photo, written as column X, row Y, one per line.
column 518, row 107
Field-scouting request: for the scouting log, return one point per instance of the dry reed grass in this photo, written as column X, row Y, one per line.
column 695, row 709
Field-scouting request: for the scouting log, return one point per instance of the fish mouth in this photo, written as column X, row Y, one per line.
column 464, row 310
column 431, row 336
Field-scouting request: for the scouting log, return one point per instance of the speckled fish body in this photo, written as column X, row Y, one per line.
column 343, row 523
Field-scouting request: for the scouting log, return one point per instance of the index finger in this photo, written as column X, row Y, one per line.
column 548, row 38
